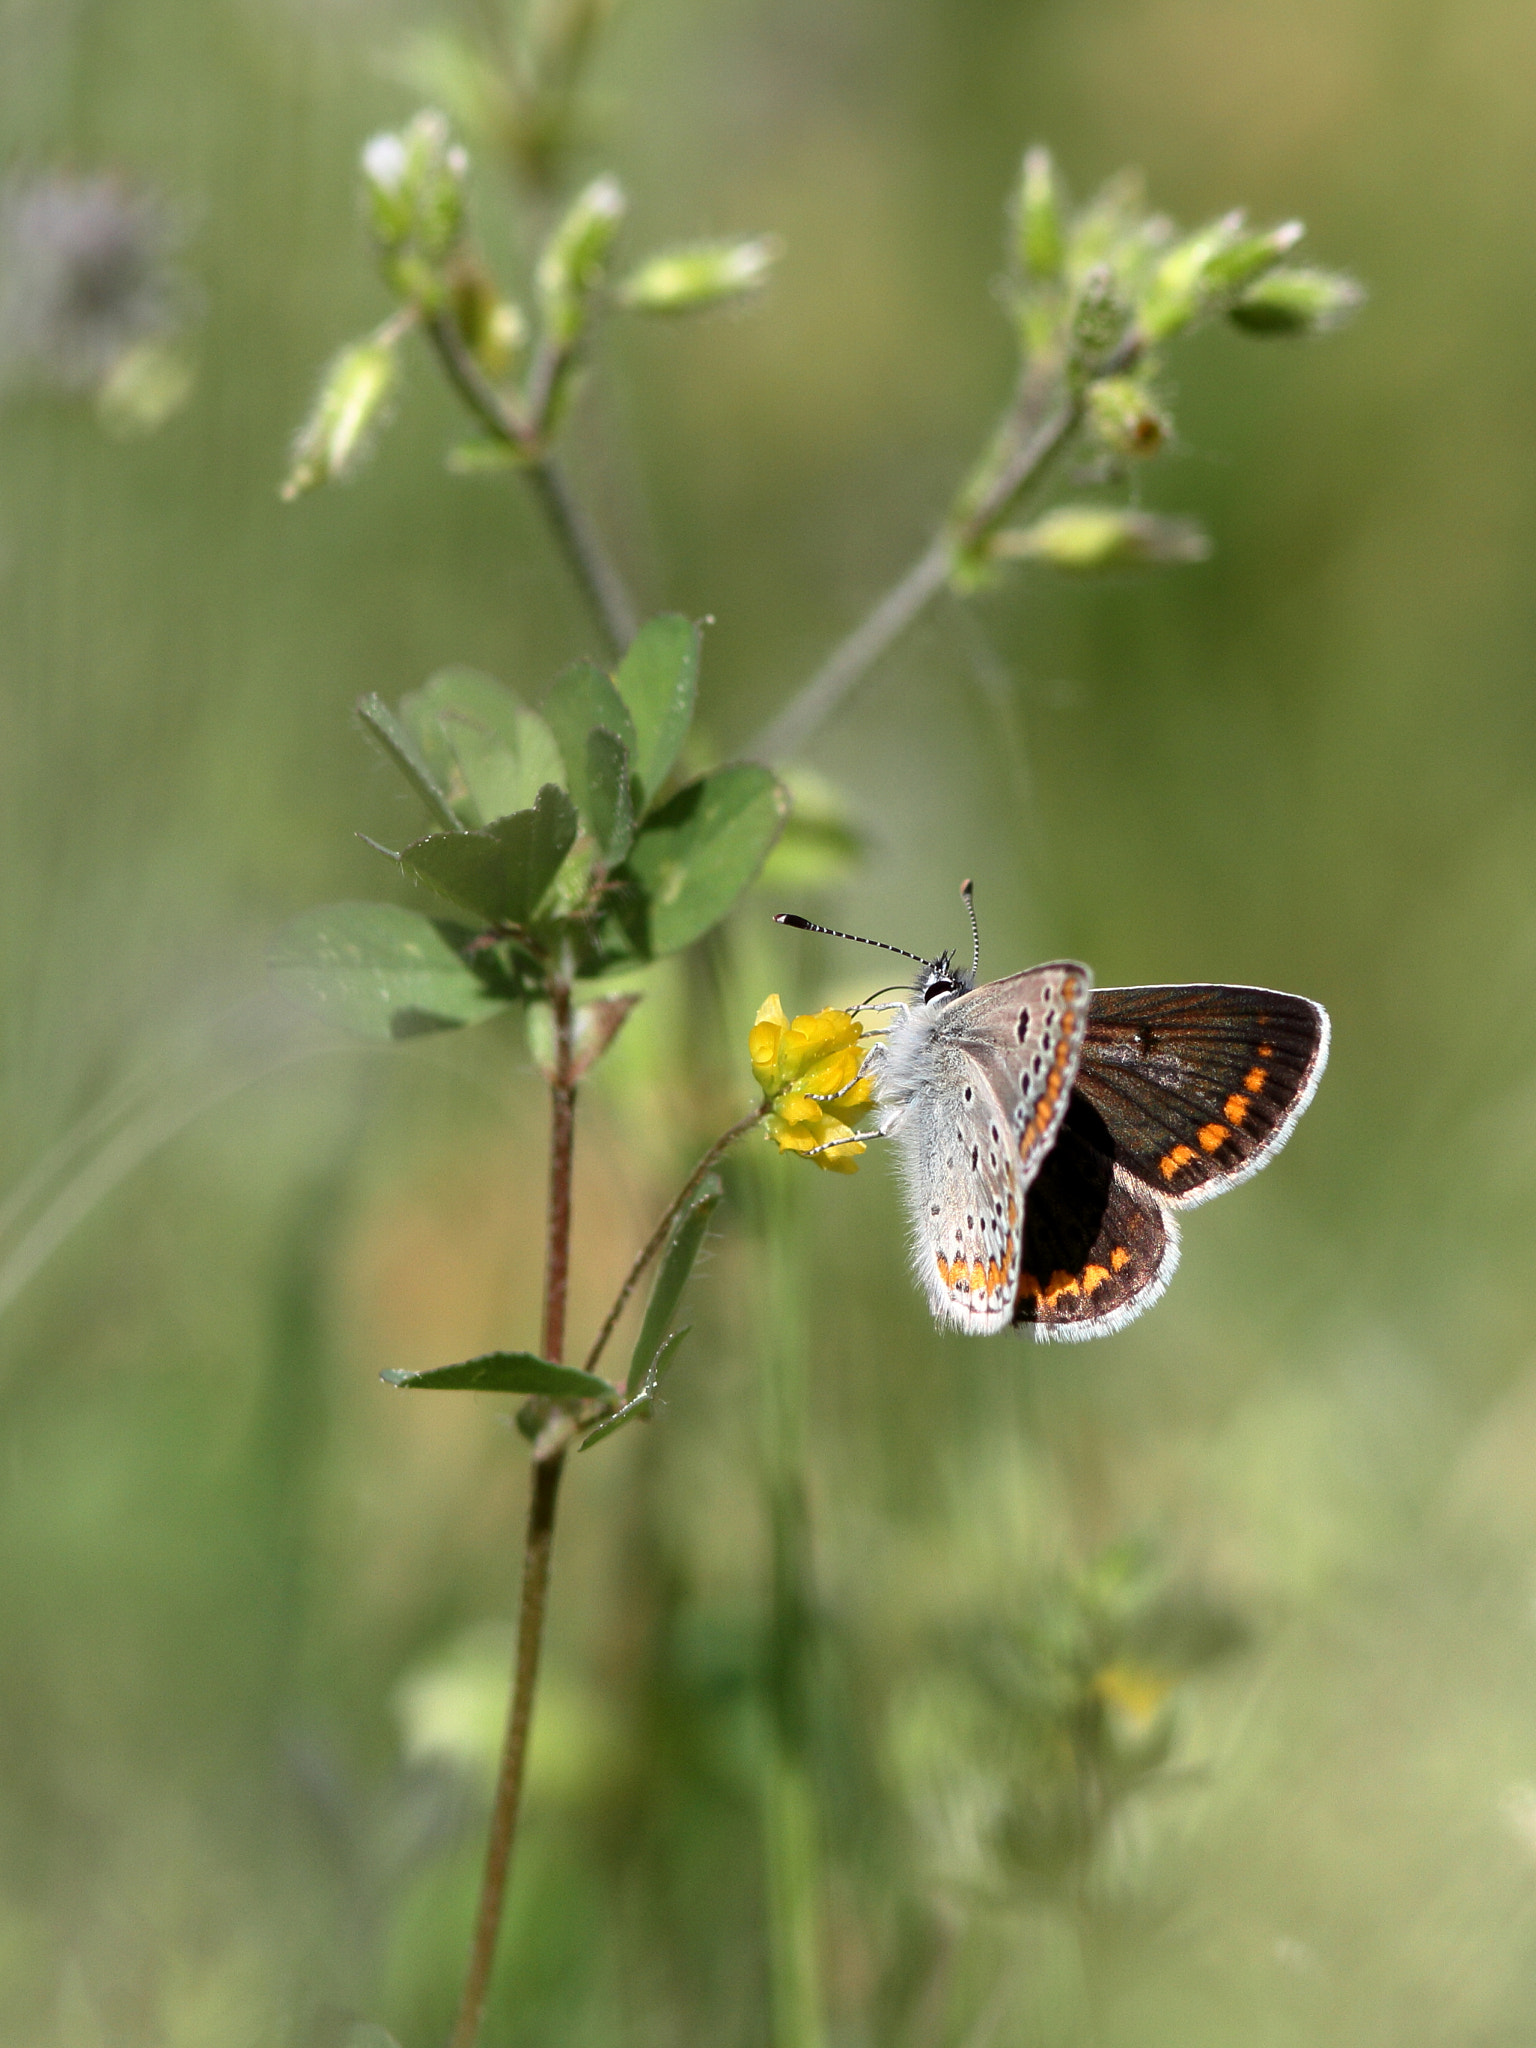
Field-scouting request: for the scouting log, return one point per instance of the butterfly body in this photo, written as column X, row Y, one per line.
column 974, row 1083
column 1049, row 1132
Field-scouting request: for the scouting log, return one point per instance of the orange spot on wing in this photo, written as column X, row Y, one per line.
column 1119, row 1257
column 1255, row 1078
column 1059, row 1285
column 1029, row 1287
column 943, row 1265
column 1235, row 1108
column 1170, row 1162
column 1094, row 1276
column 1212, row 1135
column 1266, row 1052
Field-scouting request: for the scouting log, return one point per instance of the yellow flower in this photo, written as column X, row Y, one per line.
column 1133, row 1692
column 809, row 1072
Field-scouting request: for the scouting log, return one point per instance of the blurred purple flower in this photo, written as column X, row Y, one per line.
column 86, row 276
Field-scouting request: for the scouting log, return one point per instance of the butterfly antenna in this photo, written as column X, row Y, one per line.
column 970, row 904
column 803, row 924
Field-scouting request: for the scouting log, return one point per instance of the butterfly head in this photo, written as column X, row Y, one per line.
column 939, row 980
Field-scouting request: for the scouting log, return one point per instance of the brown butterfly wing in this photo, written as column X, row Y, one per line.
column 1098, row 1246
column 1199, row 1086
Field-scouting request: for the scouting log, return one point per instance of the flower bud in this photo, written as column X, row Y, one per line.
column 1037, row 238
column 1125, row 418
column 704, row 274
column 571, row 265
column 1297, row 301
column 495, row 329
column 413, row 185
column 1087, row 537
column 1100, row 320
column 353, row 398
column 1209, row 267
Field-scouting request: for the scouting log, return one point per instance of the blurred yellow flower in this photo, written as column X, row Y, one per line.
column 1134, row 1692
column 809, row 1072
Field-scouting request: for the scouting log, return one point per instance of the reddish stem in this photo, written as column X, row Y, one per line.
column 544, row 1491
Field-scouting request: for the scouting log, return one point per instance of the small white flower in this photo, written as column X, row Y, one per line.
column 385, row 162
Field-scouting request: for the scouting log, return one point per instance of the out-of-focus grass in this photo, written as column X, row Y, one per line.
column 226, row 1554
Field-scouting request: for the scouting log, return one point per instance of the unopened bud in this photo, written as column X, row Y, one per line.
column 353, row 398
column 1100, row 320
column 1124, row 417
column 1296, row 301
column 1037, row 241
column 1246, row 259
column 1204, row 271
column 495, row 329
column 1088, row 537
column 704, row 274
column 413, row 183
column 571, row 265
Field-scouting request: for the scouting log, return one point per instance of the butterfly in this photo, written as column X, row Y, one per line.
column 1049, row 1132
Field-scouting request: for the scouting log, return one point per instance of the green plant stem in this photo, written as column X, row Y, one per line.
column 1029, row 438
column 601, row 584
column 605, row 588
column 543, row 1495
column 852, row 659
column 658, row 1236
column 790, row 1822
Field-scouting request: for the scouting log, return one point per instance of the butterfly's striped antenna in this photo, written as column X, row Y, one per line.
column 970, row 904
column 803, row 924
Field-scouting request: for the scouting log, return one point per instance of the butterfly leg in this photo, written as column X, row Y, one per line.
column 856, row 1138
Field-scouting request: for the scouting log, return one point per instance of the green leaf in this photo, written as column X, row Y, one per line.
column 693, row 857
column 658, row 680
column 499, row 875
column 381, row 724
column 385, row 972
column 612, row 814
column 643, row 1405
column 580, row 702
column 509, row 1372
column 671, row 1279
column 485, row 748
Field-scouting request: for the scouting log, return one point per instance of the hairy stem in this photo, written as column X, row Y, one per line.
column 601, row 584
column 851, row 661
column 544, row 1491
column 658, row 1236
column 605, row 588
column 1029, row 439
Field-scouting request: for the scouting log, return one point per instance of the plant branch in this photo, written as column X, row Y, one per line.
column 1027, row 442
column 475, row 388
column 658, row 1236
column 601, row 584
column 544, row 1491
column 849, row 662
column 605, row 589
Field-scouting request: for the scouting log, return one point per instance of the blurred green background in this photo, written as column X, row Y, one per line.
column 254, row 1608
